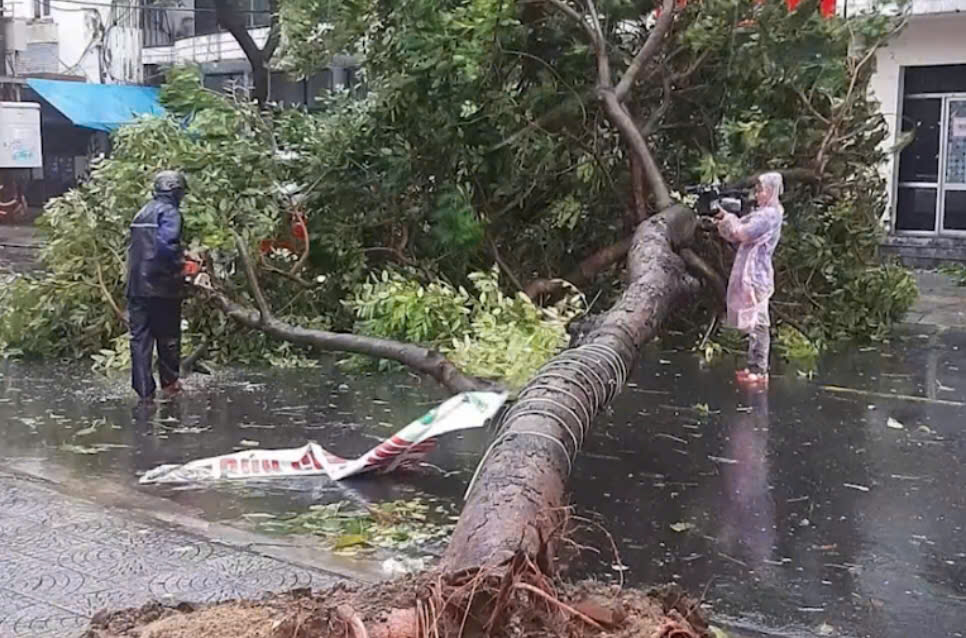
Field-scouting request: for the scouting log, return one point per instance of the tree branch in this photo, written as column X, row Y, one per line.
column 108, row 297
column 274, row 32
column 692, row 69
column 811, row 107
column 614, row 108
column 502, row 264
column 228, row 18
column 651, row 46
column 418, row 358
column 571, row 13
column 600, row 49
column 620, row 118
column 697, row 265
column 843, row 110
column 188, row 364
column 651, row 125
column 583, row 274
column 285, row 274
column 264, row 312
column 638, row 199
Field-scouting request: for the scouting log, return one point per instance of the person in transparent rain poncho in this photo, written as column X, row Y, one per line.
column 752, row 279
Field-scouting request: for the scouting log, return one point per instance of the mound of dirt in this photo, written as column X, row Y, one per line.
column 427, row 606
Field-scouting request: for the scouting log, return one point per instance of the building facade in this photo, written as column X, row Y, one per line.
column 136, row 41
column 920, row 83
column 120, row 42
column 187, row 32
column 96, row 42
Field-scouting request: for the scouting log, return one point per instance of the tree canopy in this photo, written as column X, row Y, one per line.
column 479, row 140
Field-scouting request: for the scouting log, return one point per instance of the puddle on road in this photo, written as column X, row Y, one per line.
column 798, row 511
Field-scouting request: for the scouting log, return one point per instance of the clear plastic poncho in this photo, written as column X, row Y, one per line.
column 752, row 281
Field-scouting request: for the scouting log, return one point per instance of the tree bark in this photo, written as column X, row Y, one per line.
column 523, row 475
column 417, row 358
column 637, row 211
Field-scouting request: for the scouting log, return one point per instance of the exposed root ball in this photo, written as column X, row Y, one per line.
column 516, row 601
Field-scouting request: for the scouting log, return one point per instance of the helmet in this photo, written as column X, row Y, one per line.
column 170, row 182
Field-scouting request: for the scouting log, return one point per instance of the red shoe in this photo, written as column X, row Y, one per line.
column 171, row 390
column 747, row 377
column 754, row 379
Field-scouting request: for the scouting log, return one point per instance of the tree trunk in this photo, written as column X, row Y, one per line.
column 259, row 80
column 637, row 211
column 522, row 476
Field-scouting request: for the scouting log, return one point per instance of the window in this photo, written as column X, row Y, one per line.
column 947, row 78
column 260, row 16
column 156, row 27
column 224, row 81
column 41, row 8
column 253, row 14
column 931, row 194
column 206, row 22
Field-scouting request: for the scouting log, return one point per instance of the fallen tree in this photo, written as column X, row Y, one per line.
column 521, row 479
column 497, row 575
column 415, row 357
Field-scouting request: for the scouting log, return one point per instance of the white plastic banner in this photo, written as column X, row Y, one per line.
column 412, row 443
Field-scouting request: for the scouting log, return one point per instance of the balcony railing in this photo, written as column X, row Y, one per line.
column 164, row 23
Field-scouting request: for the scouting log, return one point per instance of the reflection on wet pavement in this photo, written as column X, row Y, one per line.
column 803, row 511
column 797, row 510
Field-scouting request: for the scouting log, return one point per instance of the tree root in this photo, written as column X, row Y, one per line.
column 356, row 627
column 518, row 603
column 674, row 629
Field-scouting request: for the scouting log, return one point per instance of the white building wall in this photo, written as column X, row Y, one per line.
column 216, row 47
column 927, row 40
column 93, row 41
column 916, row 7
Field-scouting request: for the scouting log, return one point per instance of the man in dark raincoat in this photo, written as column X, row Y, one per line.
column 155, row 283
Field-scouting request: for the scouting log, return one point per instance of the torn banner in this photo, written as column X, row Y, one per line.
column 461, row 412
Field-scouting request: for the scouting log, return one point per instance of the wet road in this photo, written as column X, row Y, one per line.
column 799, row 511
column 803, row 511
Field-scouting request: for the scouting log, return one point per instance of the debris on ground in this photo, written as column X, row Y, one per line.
column 347, row 529
column 405, row 448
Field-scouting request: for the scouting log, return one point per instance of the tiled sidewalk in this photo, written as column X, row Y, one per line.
column 63, row 559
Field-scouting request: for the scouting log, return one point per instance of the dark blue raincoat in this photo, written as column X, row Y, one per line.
column 155, row 257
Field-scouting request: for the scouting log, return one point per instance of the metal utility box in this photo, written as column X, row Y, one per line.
column 20, row 145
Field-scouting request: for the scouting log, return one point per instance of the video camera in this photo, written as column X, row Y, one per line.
column 713, row 197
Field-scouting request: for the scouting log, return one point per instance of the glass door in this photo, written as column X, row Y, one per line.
column 917, row 195
column 954, row 164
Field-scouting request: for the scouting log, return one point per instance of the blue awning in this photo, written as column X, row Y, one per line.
column 102, row 107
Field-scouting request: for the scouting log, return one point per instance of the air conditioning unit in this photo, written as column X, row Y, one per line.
column 15, row 34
